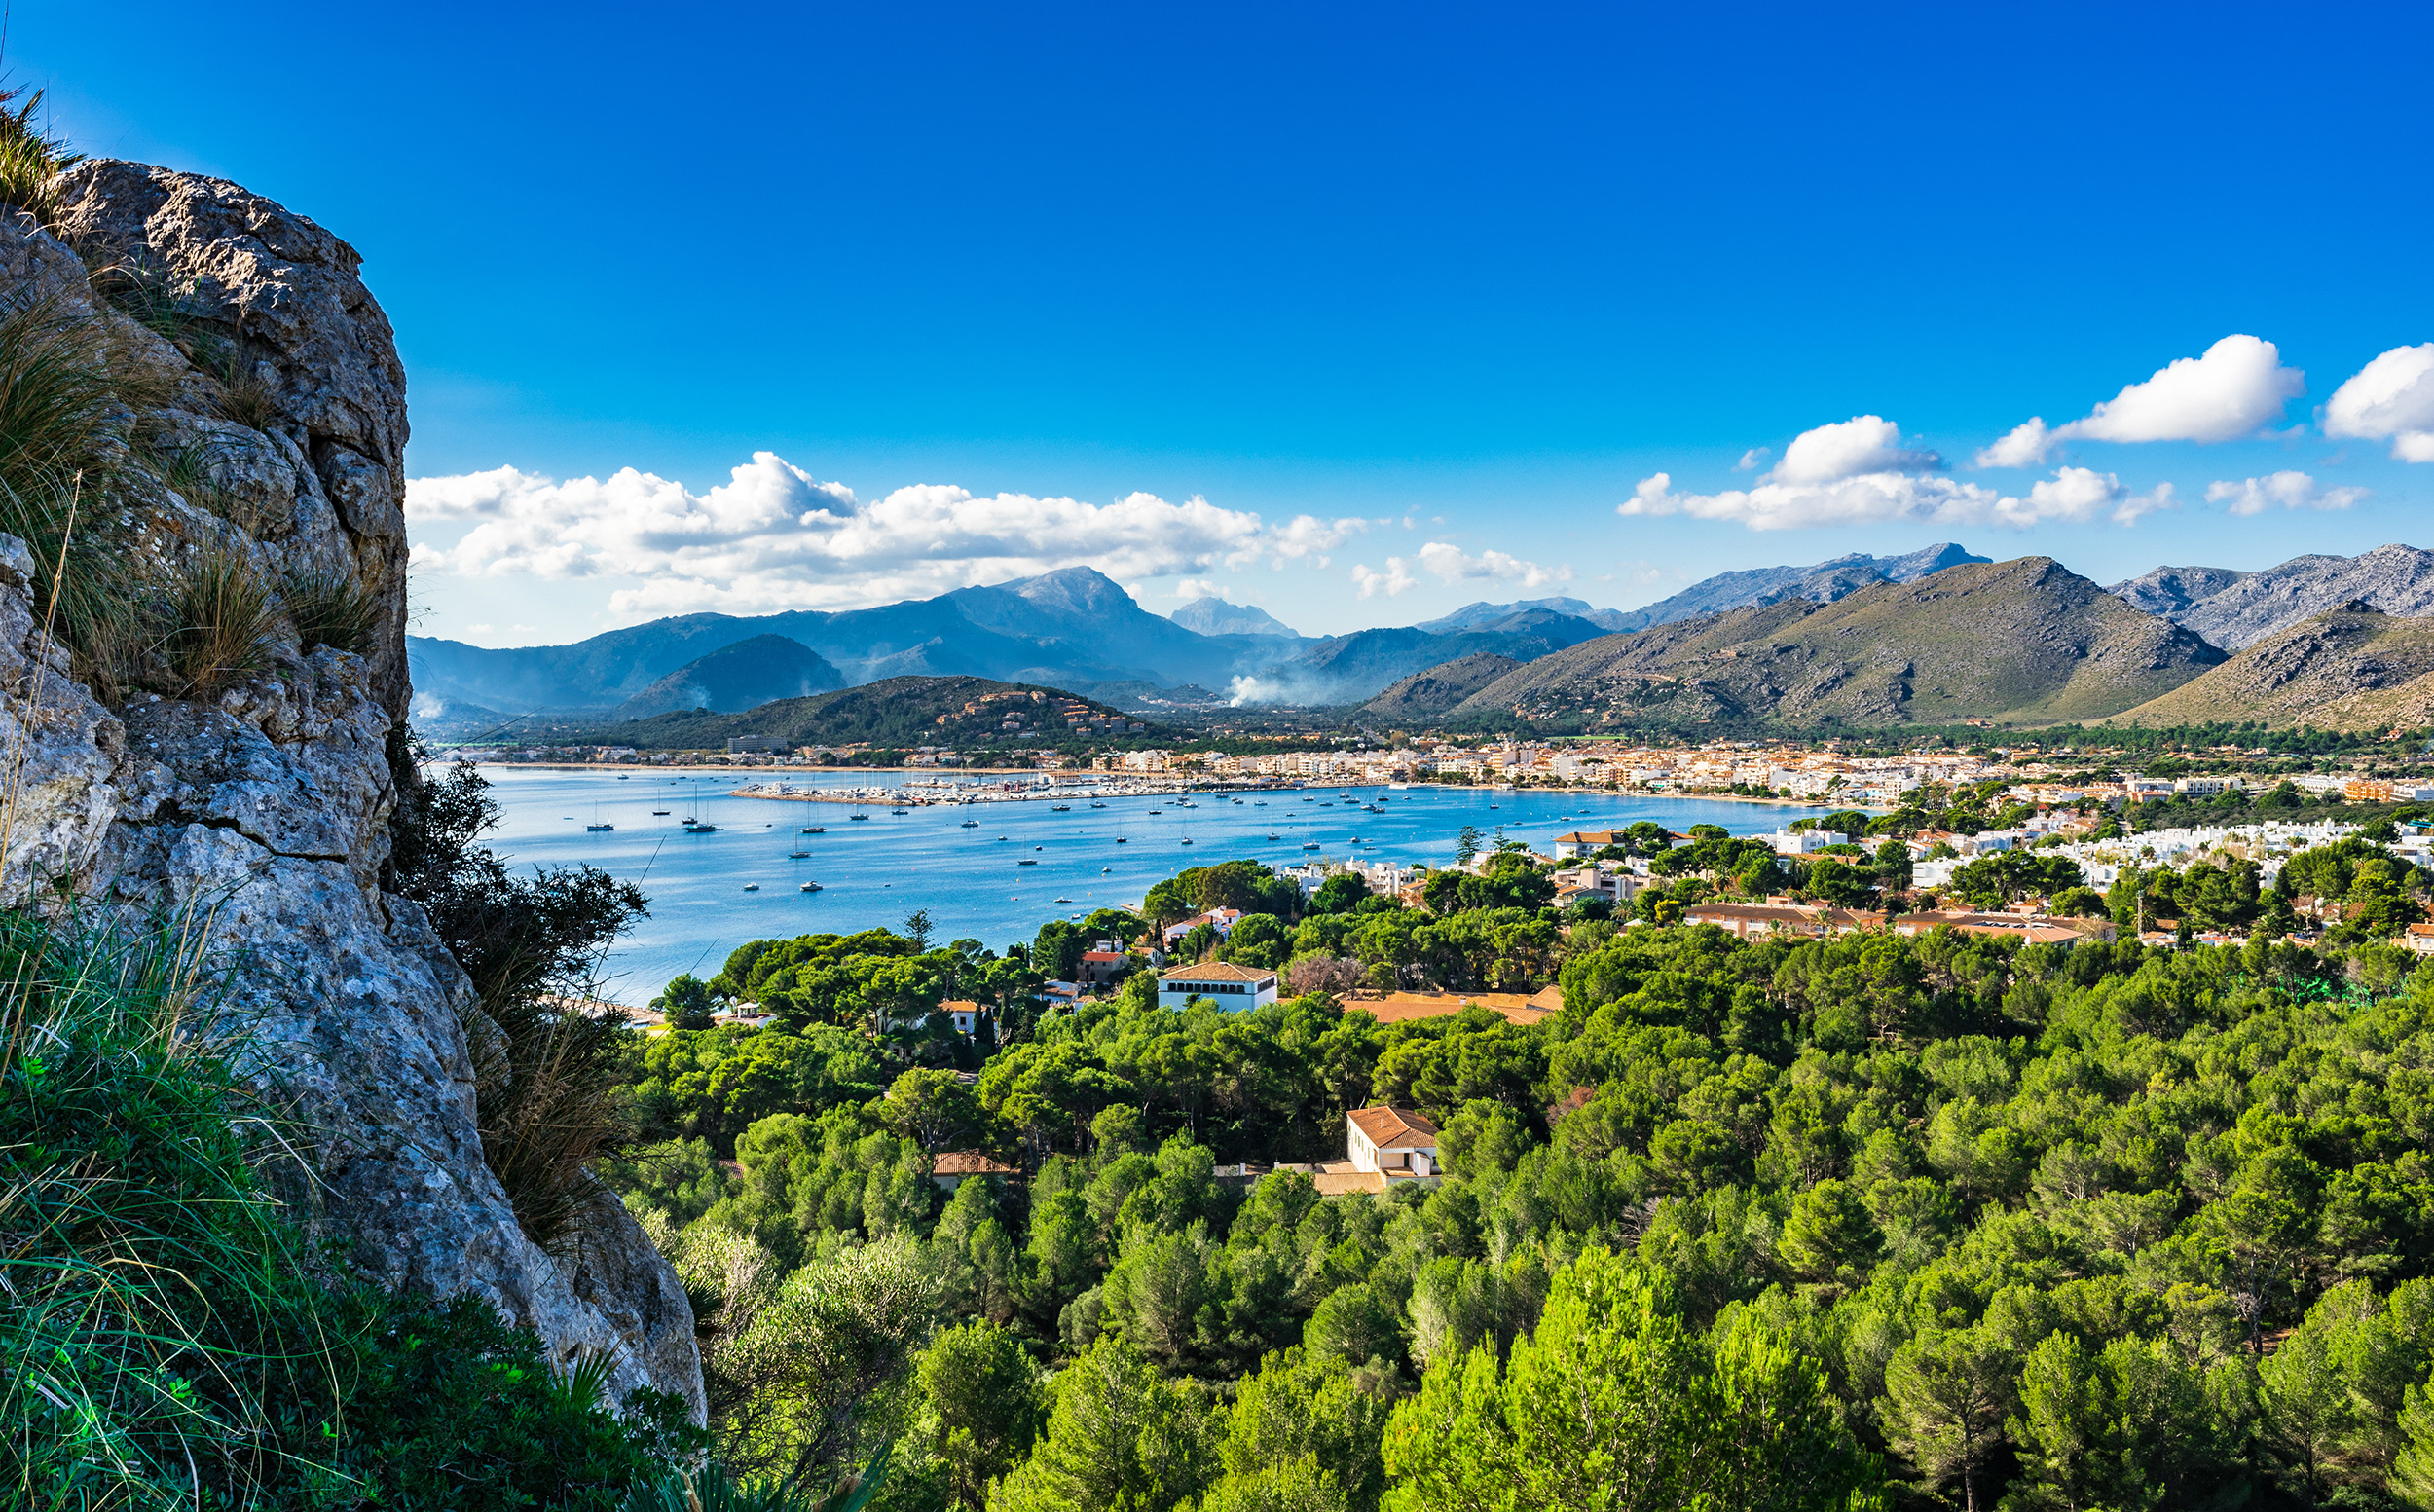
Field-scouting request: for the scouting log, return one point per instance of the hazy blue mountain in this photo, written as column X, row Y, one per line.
column 1063, row 628
column 1347, row 668
column 1215, row 616
column 736, row 677
column 1479, row 616
column 1825, row 582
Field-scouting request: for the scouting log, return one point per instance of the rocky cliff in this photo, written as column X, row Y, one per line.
column 262, row 811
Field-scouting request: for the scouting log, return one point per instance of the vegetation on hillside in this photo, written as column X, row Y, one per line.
column 1869, row 1221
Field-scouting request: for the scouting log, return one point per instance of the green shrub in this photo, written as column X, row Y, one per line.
column 171, row 1341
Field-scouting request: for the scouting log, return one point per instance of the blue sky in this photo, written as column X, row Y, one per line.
column 1433, row 293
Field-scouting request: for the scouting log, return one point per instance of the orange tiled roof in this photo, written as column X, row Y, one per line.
column 1214, row 971
column 1395, row 1128
column 968, row 1163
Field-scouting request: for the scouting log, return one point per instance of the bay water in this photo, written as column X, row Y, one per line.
column 874, row 871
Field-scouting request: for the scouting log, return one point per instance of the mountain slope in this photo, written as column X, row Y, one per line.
column 2355, row 668
column 1823, row 582
column 1429, row 694
column 1070, row 626
column 2020, row 641
column 1479, row 616
column 1348, row 669
column 1215, row 616
column 2235, row 610
column 736, row 678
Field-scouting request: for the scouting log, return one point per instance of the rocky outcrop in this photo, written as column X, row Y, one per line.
column 2236, row 610
column 258, row 816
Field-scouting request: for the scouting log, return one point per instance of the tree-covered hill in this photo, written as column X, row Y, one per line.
column 1858, row 1222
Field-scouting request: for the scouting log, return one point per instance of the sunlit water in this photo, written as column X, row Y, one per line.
column 877, row 871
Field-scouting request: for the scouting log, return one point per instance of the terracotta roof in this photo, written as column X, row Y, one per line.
column 1214, row 971
column 970, row 1163
column 1395, row 1128
column 1102, row 955
column 959, row 1006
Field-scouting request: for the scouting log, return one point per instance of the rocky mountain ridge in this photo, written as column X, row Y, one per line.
column 259, row 814
column 2235, row 610
column 2025, row 640
column 2355, row 668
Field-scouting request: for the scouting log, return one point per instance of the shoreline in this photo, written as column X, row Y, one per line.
column 1079, row 779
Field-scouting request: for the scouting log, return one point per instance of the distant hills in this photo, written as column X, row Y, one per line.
column 1823, row 583
column 1936, row 636
column 2235, row 610
column 2023, row 641
column 736, row 678
column 1215, row 616
column 963, row 712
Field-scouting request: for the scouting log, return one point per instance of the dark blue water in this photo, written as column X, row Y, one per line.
column 875, row 872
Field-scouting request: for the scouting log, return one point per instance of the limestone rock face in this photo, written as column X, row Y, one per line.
column 284, row 297
column 262, row 812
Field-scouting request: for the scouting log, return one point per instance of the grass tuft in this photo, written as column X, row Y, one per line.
column 222, row 618
column 246, row 395
column 30, row 159
column 331, row 608
column 62, row 448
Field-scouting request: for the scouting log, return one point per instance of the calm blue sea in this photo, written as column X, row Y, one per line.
column 875, row 872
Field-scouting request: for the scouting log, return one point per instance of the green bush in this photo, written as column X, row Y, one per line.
column 173, row 1341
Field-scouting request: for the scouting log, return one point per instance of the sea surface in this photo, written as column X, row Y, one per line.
column 875, row 872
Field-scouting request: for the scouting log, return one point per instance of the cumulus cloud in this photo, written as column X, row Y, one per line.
column 2027, row 446
column 1853, row 448
column 1753, row 459
column 1452, row 565
column 1196, row 588
column 774, row 536
column 2236, row 388
column 1393, row 580
column 2073, row 495
column 2389, row 399
column 2287, row 489
column 1307, row 535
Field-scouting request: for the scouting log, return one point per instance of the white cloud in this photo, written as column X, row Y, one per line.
column 2287, row 489
column 1307, row 535
column 1753, row 459
column 2389, row 399
column 1393, row 580
column 2236, row 390
column 1853, row 448
column 2073, row 495
column 2027, row 446
column 1452, row 565
column 773, row 536
column 1196, row 588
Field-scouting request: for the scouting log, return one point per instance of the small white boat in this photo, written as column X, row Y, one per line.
column 751, row 887
column 808, row 887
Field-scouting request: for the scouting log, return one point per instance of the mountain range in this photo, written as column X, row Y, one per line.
column 2236, row 610
column 2024, row 641
column 1852, row 639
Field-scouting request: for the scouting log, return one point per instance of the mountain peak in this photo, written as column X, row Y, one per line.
column 1213, row 616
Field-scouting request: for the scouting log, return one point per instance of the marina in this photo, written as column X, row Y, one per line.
column 873, row 874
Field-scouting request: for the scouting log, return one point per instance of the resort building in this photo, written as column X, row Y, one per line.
column 1400, row 1143
column 1748, row 920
